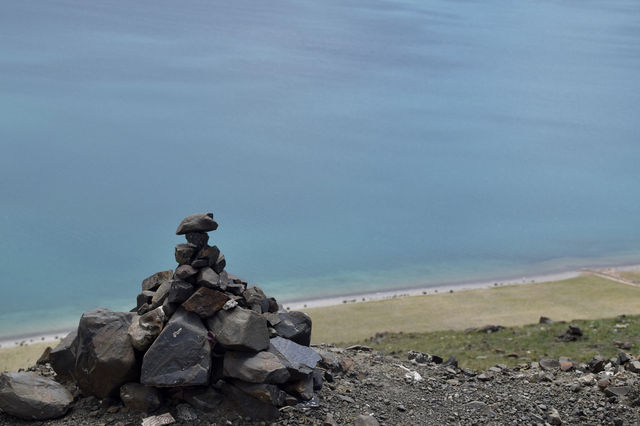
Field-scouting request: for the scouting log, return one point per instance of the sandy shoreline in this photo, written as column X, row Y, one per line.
column 55, row 336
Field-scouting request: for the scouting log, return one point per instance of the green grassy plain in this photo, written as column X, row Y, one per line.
column 516, row 345
column 584, row 297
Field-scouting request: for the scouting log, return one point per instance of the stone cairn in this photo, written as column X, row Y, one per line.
column 198, row 334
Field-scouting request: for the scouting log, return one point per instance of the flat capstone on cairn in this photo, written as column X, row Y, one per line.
column 198, row 334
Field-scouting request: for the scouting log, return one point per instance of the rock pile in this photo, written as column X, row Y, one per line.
column 198, row 333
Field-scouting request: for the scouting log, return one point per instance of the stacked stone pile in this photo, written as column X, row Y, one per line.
column 200, row 334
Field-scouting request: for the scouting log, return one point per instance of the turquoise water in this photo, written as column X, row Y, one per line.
column 343, row 146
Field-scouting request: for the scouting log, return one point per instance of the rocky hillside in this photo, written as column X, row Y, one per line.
column 365, row 387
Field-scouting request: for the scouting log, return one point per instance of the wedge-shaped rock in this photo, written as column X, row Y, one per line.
column 205, row 302
column 180, row 356
column 240, row 329
column 295, row 326
column 105, row 358
column 184, row 272
column 199, row 222
column 294, row 353
column 29, row 396
column 63, row 357
column 144, row 329
column 139, row 397
column 208, row 278
column 261, row 367
column 152, row 282
column 271, row 394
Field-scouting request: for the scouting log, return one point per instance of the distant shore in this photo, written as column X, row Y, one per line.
column 56, row 335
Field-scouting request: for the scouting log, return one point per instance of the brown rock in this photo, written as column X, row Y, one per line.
column 152, row 282
column 185, row 272
column 27, row 395
column 139, row 397
column 205, row 302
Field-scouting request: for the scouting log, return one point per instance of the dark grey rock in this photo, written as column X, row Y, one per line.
column 208, row 278
column 144, row 297
column 180, row 356
column 200, row 263
column 295, row 354
column 105, row 358
column 198, row 239
column 633, row 366
column 185, row 253
column 624, row 358
column 256, row 299
column 597, row 364
column 161, row 294
column 139, row 397
column 152, row 282
column 318, row 378
column 271, row 394
column 205, row 302
column 146, row 328
column 207, row 399
column 302, row 388
column 240, row 329
column 63, row 357
column 179, row 291
column 260, row 367
column 236, row 288
column 199, row 222
column 545, row 320
column 248, row 405
column 210, row 254
column 27, row 395
column 219, row 264
column 184, row 272
column 295, row 326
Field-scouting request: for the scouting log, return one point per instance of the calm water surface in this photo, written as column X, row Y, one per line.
column 343, row 146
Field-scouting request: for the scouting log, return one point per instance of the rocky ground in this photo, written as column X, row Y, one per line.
column 360, row 382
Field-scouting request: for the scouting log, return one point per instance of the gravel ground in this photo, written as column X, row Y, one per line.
column 397, row 391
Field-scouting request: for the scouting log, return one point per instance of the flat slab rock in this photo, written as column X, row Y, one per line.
column 32, row 397
column 199, row 222
column 180, row 355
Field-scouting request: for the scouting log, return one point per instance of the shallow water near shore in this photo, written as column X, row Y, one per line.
column 344, row 147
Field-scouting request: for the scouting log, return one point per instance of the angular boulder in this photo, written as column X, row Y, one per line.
column 295, row 326
column 179, row 291
column 240, row 329
column 180, row 355
column 144, row 329
column 261, row 367
column 208, row 278
column 184, row 272
column 294, row 353
column 199, row 222
column 185, row 253
column 29, row 396
column 63, row 357
column 152, row 282
column 139, row 397
column 105, row 358
column 205, row 302
column 256, row 299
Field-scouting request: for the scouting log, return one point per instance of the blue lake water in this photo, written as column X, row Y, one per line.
column 343, row 146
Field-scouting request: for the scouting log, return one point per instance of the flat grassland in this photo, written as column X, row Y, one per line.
column 432, row 316
column 11, row 359
column 584, row 297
